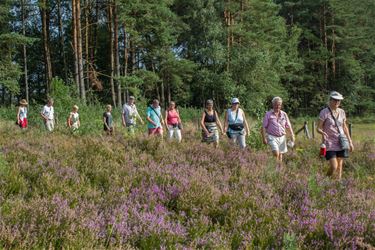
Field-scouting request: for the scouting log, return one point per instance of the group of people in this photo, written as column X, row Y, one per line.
column 275, row 128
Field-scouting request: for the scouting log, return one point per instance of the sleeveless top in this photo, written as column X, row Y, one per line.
column 210, row 118
column 172, row 117
column 232, row 116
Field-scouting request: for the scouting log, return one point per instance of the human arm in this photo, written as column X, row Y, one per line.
column 225, row 121
column 263, row 133
column 202, row 123
column 138, row 116
column 123, row 118
column 289, row 128
column 179, row 118
column 347, row 133
column 70, row 120
column 218, row 122
column 263, row 130
column 246, row 124
column 166, row 116
column 18, row 114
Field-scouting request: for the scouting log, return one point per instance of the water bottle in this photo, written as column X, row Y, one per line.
column 323, row 150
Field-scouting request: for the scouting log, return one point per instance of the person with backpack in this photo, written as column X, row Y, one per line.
column 155, row 119
column 276, row 125
column 22, row 114
column 173, row 121
column 235, row 124
column 210, row 122
column 332, row 126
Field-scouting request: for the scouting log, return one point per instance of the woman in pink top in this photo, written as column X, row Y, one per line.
column 173, row 122
column 276, row 124
column 331, row 130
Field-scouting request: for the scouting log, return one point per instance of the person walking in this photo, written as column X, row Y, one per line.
column 48, row 115
column 130, row 115
column 155, row 119
column 210, row 122
column 22, row 114
column 276, row 124
column 73, row 120
column 332, row 126
column 173, row 121
column 235, row 124
column 108, row 124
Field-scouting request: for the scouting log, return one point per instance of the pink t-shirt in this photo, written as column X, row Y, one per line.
column 276, row 125
column 332, row 141
column 172, row 117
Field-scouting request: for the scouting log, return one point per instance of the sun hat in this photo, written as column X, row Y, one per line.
column 23, row 102
column 235, row 100
column 336, row 95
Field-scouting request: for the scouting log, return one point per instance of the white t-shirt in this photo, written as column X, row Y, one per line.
column 48, row 112
column 130, row 112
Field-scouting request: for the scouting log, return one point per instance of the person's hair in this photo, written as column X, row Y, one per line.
column 276, row 99
column 75, row 107
column 170, row 103
column 209, row 101
column 49, row 100
column 108, row 107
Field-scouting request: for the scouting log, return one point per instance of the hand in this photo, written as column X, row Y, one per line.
column 351, row 147
column 124, row 124
column 248, row 133
column 264, row 141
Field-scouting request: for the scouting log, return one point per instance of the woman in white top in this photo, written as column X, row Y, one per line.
column 22, row 114
column 73, row 119
column 235, row 124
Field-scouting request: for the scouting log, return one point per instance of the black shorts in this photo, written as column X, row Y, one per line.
column 338, row 154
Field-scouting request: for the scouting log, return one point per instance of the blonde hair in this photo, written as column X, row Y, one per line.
column 276, row 99
column 108, row 107
column 75, row 107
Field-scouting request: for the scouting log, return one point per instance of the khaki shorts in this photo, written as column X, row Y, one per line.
column 277, row 143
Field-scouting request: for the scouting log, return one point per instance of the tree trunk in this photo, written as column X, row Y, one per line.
column 79, row 47
column 61, row 39
column 333, row 49
column 75, row 46
column 116, row 54
column 25, row 52
column 44, row 11
column 112, row 59
column 126, row 61
column 325, row 45
column 87, row 35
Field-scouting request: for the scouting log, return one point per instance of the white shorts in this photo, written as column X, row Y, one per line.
column 277, row 143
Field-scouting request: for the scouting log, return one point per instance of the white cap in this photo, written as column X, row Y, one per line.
column 336, row 95
column 235, row 100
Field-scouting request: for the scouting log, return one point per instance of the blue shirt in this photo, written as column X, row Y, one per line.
column 155, row 116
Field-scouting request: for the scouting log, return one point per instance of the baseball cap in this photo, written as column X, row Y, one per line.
column 235, row 100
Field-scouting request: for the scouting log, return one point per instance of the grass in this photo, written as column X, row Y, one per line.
column 92, row 191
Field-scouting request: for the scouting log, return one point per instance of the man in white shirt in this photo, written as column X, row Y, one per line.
column 48, row 115
column 130, row 115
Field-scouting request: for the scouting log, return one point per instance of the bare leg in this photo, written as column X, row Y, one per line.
column 333, row 167
column 278, row 157
column 340, row 162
